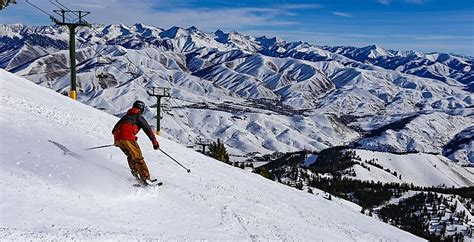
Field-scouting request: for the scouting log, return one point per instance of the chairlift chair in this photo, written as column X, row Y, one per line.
column 190, row 143
column 102, row 63
column 166, row 105
column 132, row 71
column 100, row 73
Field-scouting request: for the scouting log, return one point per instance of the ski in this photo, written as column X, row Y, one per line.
column 154, row 183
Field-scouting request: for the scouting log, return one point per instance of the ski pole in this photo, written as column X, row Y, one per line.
column 98, row 147
column 188, row 170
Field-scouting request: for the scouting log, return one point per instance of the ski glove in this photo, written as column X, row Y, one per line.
column 156, row 145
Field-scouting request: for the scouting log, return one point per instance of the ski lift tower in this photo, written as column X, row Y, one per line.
column 159, row 92
column 78, row 21
column 203, row 143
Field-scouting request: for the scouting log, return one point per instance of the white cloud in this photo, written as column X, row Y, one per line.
column 384, row 2
column 388, row 2
column 87, row 5
column 342, row 14
column 301, row 6
column 443, row 37
column 168, row 13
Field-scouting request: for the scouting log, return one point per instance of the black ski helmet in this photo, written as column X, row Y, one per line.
column 140, row 105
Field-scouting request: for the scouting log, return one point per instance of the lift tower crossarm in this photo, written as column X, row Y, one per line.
column 203, row 143
column 159, row 92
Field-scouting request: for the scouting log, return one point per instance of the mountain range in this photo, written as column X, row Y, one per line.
column 260, row 94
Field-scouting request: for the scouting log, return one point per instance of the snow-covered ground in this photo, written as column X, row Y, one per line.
column 395, row 200
column 419, row 169
column 53, row 189
column 461, row 208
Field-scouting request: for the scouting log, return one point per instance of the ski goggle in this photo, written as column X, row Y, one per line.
column 140, row 105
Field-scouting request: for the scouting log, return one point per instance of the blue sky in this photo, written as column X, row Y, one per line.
column 423, row 25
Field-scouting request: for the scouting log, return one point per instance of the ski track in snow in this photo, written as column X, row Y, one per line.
column 92, row 198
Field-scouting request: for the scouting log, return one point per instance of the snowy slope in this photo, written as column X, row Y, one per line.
column 419, row 169
column 461, row 147
column 49, row 192
column 428, row 132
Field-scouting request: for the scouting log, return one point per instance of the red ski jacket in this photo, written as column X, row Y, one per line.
column 130, row 124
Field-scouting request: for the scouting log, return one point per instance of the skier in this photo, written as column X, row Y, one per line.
column 124, row 135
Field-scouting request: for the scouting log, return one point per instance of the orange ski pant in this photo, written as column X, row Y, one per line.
column 135, row 159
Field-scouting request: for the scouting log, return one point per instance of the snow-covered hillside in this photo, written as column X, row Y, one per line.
column 259, row 94
column 452, row 69
column 420, row 169
column 53, row 189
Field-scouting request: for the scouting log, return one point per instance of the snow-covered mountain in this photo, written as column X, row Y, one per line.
column 52, row 189
column 419, row 169
column 260, row 94
column 449, row 68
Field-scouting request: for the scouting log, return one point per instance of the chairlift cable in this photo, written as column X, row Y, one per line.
column 126, row 57
column 38, row 8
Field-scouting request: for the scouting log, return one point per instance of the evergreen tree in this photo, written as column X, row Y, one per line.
column 265, row 173
column 218, row 151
